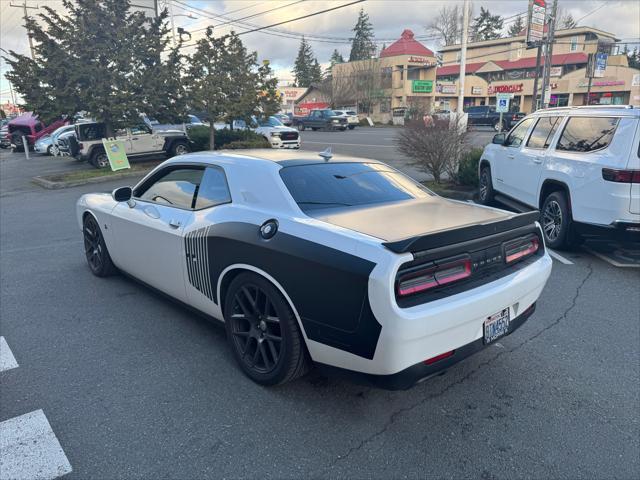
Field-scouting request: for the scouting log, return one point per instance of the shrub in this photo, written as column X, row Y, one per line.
column 225, row 137
column 435, row 149
column 468, row 168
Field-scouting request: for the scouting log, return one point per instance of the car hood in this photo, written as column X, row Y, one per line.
column 401, row 220
column 276, row 129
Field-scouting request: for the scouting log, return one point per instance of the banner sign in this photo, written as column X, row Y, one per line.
column 536, row 18
column 449, row 89
column 505, row 88
column 555, row 72
column 422, row 86
column 600, row 64
column 476, row 90
column 116, row 154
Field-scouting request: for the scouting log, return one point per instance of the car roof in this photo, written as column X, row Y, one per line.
column 598, row 110
column 283, row 158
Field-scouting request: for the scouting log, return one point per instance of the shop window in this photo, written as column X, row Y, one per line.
column 585, row 134
column 413, row 73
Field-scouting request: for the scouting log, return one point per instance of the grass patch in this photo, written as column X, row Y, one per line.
column 447, row 187
column 142, row 168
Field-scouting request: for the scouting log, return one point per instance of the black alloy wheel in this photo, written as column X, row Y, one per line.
column 95, row 249
column 263, row 331
column 486, row 187
column 555, row 218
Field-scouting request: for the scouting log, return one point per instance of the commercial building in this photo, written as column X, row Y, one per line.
column 406, row 75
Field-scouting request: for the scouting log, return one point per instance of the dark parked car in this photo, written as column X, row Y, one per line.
column 325, row 119
column 487, row 115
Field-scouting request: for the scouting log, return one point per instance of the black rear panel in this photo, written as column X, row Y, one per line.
column 487, row 263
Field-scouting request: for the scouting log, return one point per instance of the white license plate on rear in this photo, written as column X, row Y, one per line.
column 496, row 326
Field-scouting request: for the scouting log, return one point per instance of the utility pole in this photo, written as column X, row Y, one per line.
column 534, row 98
column 548, row 57
column 173, row 29
column 24, row 6
column 463, row 61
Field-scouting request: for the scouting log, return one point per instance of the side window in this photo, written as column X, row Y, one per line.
column 213, row 189
column 315, row 114
column 121, row 132
column 38, row 127
column 585, row 134
column 543, row 132
column 177, row 188
column 140, row 130
column 517, row 135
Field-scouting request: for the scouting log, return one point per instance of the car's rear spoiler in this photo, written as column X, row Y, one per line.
column 464, row 234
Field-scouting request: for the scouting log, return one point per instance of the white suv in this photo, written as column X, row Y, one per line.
column 580, row 166
column 352, row 117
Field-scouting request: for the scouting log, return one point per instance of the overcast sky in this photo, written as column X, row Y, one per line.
column 389, row 19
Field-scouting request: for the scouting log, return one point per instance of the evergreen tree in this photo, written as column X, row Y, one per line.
column 303, row 66
column 362, row 44
column 316, row 72
column 486, row 26
column 633, row 57
column 101, row 57
column 336, row 57
column 516, row 27
column 269, row 101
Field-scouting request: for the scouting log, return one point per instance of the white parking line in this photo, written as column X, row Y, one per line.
column 559, row 257
column 30, row 450
column 349, row 144
column 611, row 261
column 7, row 360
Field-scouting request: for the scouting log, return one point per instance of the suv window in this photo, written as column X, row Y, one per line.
column 543, row 132
column 213, row 189
column 140, row 130
column 585, row 134
column 517, row 135
column 330, row 185
column 177, row 188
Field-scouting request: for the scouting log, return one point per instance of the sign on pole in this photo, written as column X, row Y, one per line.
column 502, row 102
column 535, row 21
column 600, row 64
column 116, row 154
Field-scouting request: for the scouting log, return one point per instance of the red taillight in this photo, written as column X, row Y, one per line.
column 434, row 276
column 621, row 176
column 521, row 248
column 437, row 358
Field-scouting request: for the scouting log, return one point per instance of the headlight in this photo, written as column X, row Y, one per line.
column 335, row 120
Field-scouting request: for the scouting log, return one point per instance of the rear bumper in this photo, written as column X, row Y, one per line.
column 620, row 230
column 421, row 371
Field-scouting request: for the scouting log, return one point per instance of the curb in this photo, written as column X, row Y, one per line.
column 458, row 195
column 57, row 185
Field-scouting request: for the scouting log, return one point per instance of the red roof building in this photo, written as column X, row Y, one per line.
column 406, row 45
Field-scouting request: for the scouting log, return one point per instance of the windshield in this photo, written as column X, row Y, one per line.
column 332, row 185
column 269, row 122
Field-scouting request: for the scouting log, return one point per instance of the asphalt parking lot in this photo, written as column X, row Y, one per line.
column 119, row 382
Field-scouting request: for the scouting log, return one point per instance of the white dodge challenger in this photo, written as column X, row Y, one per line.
column 342, row 262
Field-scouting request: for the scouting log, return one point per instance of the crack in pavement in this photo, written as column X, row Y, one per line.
column 394, row 416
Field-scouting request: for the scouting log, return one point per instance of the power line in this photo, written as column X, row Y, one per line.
column 592, row 11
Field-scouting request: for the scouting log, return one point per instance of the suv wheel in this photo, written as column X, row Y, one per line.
column 485, row 194
column 555, row 218
column 301, row 127
column 100, row 160
column 179, row 148
column 497, row 128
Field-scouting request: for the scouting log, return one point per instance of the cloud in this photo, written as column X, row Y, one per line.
column 389, row 19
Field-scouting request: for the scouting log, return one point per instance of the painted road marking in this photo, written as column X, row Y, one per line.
column 7, row 360
column 30, row 450
column 559, row 257
column 349, row 144
column 610, row 260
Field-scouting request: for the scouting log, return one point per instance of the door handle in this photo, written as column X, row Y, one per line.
column 175, row 223
column 134, row 138
column 537, row 159
column 511, row 156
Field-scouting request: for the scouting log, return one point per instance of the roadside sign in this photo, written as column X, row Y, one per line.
column 502, row 102
column 600, row 64
column 422, row 86
column 116, row 154
column 536, row 18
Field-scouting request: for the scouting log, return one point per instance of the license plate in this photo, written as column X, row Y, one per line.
column 496, row 326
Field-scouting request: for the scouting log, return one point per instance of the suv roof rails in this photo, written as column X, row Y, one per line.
column 588, row 107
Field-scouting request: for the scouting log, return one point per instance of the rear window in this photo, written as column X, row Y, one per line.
column 349, row 112
column 586, row 134
column 333, row 185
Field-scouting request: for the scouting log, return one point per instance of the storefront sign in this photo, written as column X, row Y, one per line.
column 422, row 86
column 448, row 89
column 476, row 90
column 555, row 72
column 536, row 17
column 505, row 88
column 607, row 83
column 421, row 60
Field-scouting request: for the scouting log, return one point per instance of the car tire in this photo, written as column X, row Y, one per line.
column 314, row 129
column 99, row 159
column 180, row 148
column 496, row 126
column 555, row 218
column 16, row 140
column 263, row 332
column 351, row 127
column 96, row 252
column 485, row 187
column 50, row 150
column 53, row 150
column 301, row 127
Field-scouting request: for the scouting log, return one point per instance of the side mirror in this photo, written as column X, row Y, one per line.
column 122, row 194
column 499, row 138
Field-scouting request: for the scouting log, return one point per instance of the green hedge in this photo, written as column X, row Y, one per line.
column 225, row 138
column 468, row 167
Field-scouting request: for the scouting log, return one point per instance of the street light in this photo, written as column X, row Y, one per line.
column 172, row 16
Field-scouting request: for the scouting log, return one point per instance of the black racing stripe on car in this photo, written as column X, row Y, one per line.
column 328, row 287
